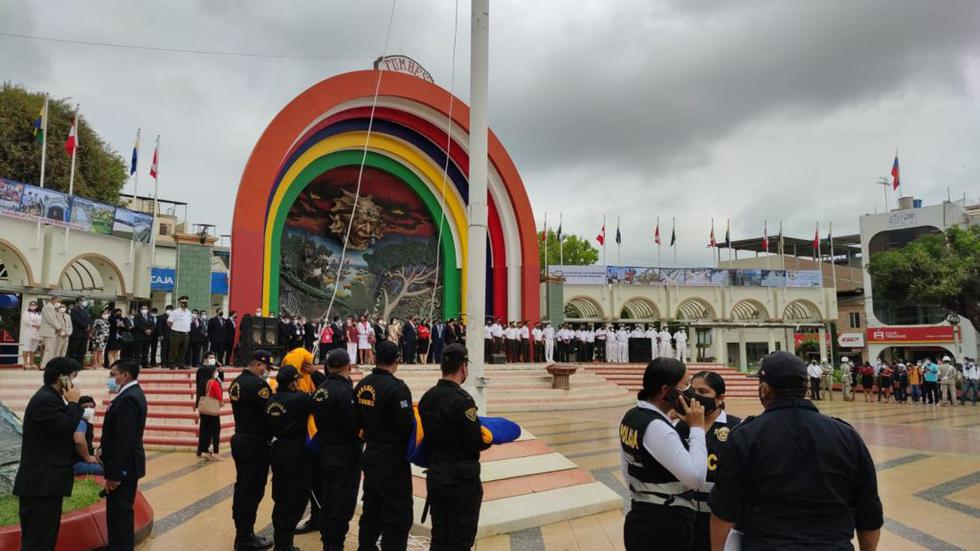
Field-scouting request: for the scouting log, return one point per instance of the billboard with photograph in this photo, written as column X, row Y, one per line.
column 579, row 275
column 805, row 278
column 133, row 225
column 90, row 216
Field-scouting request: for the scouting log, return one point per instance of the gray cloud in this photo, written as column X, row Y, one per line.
column 693, row 109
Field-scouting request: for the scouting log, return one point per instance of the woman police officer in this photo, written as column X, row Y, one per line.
column 661, row 469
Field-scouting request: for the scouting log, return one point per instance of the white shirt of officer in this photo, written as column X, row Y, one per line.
column 487, row 332
column 180, row 320
column 637, row 333
column 523, row 332
column 813, row 370
column 497, row 330
column 549, row 333
column 589, row 336
column 600, row 334
column 622, row 335
column 689, row 465
column 537, row 333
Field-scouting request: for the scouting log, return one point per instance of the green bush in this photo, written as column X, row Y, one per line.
column 85, row 493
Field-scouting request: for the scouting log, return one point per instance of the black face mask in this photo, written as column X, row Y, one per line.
column 673, row 396
column 710, row 404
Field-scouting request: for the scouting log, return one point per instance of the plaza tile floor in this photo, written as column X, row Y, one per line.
column 928, row 462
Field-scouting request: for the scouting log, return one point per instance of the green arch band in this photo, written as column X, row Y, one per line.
column 451, row 274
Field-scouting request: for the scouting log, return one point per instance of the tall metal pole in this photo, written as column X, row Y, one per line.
column 477, row 232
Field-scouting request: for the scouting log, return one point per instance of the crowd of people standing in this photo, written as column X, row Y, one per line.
column 922, row 382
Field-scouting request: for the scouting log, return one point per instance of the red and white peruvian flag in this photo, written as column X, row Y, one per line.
column 656, row 234
column 154, row 168
column 601, row 238
column 71, row 144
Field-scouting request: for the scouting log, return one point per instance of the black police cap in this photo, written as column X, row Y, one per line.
column 387, row 353
column 338, row 358
column 455, row 353
column 782, row 370
column 263, row 356
column 287, row 374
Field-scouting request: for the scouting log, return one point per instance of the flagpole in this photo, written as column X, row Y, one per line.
column 619, row 246
column 136, row 169
column 728, row 241
column 547, row 271
column 44, row 156
column 765, row 235
column 71, row 177
column 561, row 248
column 673, row 236
column 659, row 241
column 604, row 240
column 156, row 190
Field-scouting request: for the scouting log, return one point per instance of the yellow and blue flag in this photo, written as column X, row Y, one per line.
column 41, row 123
column 136, row 153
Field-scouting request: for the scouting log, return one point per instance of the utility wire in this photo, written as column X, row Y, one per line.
column 181, row 50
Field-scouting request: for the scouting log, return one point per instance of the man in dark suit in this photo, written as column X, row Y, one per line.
column 339, row 334
column 80, row 321
column 144, row 324
column 451, row 335
column 197, row 336
column 163, row 332
column 44, row 477
column 409, row 340
column 154, row 336
column 309, row 334
column 122, row 452
column 231, row 324
column 438, row 341
column 216, row 334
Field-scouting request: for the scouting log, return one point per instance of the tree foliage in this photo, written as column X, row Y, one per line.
column 575, row 251
column 937, row 269
column 100, row 171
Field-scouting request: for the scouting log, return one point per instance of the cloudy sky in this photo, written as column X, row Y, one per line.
column 692, row 109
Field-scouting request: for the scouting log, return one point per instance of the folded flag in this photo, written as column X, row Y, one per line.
column 495, row 430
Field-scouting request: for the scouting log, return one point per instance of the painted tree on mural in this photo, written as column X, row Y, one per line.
column 403, row 269
column 938, row 268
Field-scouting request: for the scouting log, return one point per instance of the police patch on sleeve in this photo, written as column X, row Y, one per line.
column 264, row 393
column 471, row 414
column 320, row 395
column 721, row 433
column 234, row 392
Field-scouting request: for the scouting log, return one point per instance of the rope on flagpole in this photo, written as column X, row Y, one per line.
column 364, row 154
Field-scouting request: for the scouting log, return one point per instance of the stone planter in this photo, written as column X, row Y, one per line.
column 561, row 374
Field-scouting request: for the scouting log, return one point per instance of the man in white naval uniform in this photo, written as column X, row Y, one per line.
column 549, row 343
column 651, row 333
column 612, row 352
column 600, row 343
column 665, row 350
column 622, row 344
column 680, row 342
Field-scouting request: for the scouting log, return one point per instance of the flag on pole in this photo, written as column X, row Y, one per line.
column 656, row 233
column 155, row 168
column 765, row 236
column 711, row 236
column 41, row 123
column 558, row 236
column 136, row 153
column 779, row 239
column 673, row 235
column 728, row 234
column 619, row 236
column 601, row 238
column 71, row 144
column 816, row 241
column 895, row 173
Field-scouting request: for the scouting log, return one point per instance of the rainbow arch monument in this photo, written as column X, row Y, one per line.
column 408, row 239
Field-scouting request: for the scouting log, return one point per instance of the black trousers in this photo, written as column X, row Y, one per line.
column 154, row 342
column 76, row 348
column 119, row 516
column 702, row 532
column 165, row 350
column 387, row 507
column 290, row 462
column 251, row 455
column 40, row 520
column 315, row 492
column 649, row 526
column 208, row 433
column 814, row 388
column 454, row 504
column 194, row 350
column 218, row 347
column 931, row 391
column 229, row 352
column 339, row 496
column 143, row 351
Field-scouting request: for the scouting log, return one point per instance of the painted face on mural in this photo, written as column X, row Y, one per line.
column 368, row 224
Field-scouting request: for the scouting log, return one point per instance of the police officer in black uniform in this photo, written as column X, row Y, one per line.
column 792, row 477
column 709, row 390
column 288, row 412
column 387, row 420
column 454, row 440
column 250, row 448
column 661, row 469
column 340, row 450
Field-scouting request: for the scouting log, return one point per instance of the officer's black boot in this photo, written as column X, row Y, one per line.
column 251, row 541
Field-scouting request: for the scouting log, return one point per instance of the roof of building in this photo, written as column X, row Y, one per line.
column 798, row 247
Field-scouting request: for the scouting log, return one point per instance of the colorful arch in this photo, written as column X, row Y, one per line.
column 326, row 126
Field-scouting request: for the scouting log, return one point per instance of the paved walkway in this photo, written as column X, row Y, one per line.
column 928, row 471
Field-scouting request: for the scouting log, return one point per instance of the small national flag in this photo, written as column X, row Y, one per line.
column 765, row 236
column 71, row 144
column 673, row 235
column 711, row 237
column 728, row 234
column 895, row 179
column 136, row 153
column 601, row 238
column 41, row 123
column 154, row 167
column 816, row 241
column 619, row 236
column 656, row 234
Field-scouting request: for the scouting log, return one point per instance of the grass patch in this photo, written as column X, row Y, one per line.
column 85, row 493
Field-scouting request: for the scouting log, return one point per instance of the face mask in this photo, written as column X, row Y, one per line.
column 111, row 384
column 144, row 311
column 209, row 361
column 710, row 404
column 673, row 396
column 88, row 414
column 32, row 308
column 105, row 316
column 74, row 381
column 61, row 309
column 84, row 303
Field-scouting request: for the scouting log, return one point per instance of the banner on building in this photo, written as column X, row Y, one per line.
column 910, row 334
column 27, row 202
column 850, row 340
column 579, row 275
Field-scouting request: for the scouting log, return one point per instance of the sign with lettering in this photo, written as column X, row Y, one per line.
column 403, row 64
column 917, row 334
column 851, row 340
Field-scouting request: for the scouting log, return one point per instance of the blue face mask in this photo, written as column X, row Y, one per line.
column 111, row 384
